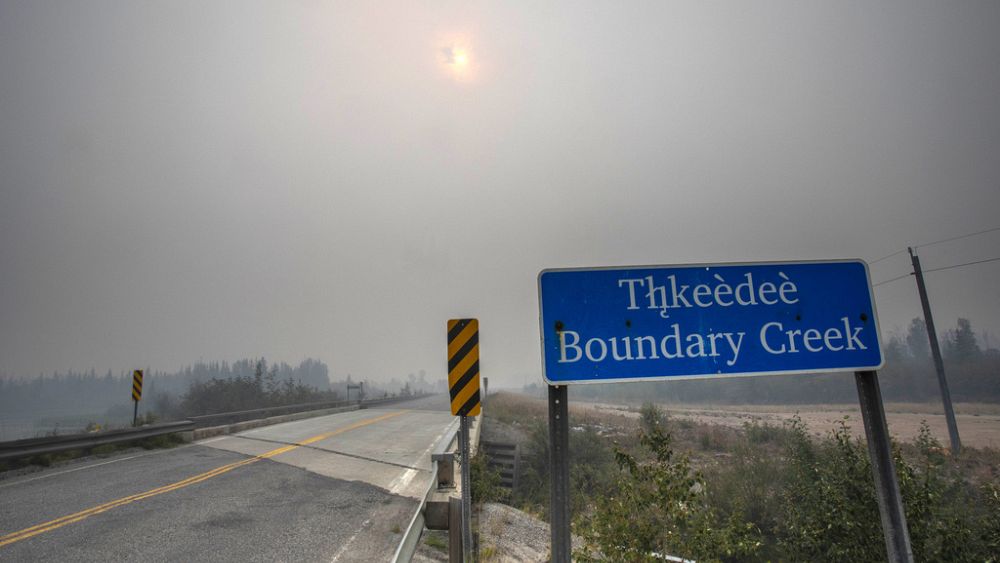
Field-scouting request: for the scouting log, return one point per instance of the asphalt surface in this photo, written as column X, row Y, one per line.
column 335, row 488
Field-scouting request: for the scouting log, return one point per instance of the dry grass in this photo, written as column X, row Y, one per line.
column 978, row 423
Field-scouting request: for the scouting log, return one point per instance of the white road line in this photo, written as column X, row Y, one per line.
column 350, row 540
column 216, row 439
column 403, row 481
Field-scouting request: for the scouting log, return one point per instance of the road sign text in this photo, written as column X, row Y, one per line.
column 697, row 321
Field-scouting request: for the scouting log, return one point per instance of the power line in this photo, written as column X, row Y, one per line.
column 886, row 257
column 892, row 280
column 960, row 265
column 932, row 243
column 938, row 270
column 957, row 238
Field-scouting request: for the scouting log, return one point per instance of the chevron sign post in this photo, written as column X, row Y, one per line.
column 463, row 387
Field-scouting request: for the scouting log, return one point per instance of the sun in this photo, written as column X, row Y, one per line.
column 458, row 61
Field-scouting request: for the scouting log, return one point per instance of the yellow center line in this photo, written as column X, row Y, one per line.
column 83, row 514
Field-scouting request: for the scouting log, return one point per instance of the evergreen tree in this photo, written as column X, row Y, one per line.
column 961, row 345
column 917, row 340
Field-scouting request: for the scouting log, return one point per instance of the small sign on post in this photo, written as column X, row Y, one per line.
column 136, row 393
column 463, row 388
column 463, row 366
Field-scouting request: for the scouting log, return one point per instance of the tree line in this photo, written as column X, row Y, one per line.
column 69, row 401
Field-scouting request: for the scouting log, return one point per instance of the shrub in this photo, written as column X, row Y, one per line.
column 948, row 518
column 757, row 433
column 831, row 510
column 652, row 417
column 486, row 485
column 661, row 507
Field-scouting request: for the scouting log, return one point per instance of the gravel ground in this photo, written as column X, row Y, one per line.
column 507, row 534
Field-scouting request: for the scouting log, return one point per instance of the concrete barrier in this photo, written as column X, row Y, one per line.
column 30, row 447
column 202, row 433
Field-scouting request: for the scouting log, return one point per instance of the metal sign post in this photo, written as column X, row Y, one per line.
column 559, row 462
column 890, row 501
column 466, row 490
column 655, row 323
column 136, row 394
column 463, row 388
column 360, row 386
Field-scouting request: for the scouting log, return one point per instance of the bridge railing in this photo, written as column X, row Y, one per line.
column 31, row 447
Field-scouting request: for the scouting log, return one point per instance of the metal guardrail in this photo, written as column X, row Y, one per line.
column 30, row 447
column 411, row 537
column 221, row 418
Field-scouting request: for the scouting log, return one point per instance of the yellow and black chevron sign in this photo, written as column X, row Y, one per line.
column 137, row 385
column 463, row 366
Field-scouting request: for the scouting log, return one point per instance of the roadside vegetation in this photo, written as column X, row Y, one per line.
column 647, row 484
column 263, row 389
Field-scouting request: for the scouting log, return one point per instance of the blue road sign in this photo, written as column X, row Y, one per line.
column 711, row 320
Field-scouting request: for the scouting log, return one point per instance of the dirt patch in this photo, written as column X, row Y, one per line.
column 978, row 423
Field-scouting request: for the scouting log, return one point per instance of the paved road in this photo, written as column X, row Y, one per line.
column 333, row 488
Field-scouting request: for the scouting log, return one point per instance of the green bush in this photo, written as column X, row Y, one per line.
column 768, row 492
column 829, row 504
column 830, row 510
column 949, row 519
column 751, row 484
column 591, row 470
column 660, row 507
column 757, row 433
column 486, row 485
column 652, row 417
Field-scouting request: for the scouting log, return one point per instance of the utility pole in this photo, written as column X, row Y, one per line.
column 949, row 412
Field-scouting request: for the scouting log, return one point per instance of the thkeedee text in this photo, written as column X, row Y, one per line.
column 646, row 293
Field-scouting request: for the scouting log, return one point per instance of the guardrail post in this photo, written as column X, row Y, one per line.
column 446, row 469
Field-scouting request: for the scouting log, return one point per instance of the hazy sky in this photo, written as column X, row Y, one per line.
column 184, row 181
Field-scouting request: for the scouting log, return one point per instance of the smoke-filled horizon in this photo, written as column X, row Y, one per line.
column 191, row 181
